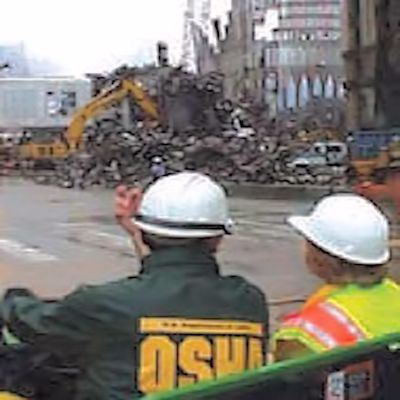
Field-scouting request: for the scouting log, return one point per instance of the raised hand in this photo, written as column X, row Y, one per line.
column 126, row 206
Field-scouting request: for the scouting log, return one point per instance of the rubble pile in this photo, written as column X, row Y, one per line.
column 114, row 156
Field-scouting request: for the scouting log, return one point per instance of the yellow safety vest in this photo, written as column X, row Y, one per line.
column 345, row 316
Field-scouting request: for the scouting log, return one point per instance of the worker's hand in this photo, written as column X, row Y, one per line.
column 127, row 204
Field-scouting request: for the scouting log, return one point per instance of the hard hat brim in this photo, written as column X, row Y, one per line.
column 305, row 226
column 177, row 232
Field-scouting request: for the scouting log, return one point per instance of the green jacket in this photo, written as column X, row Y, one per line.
column 177, row 322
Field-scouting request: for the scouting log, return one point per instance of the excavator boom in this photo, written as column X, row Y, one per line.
column 104, row 100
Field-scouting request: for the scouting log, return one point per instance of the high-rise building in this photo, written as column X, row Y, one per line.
column 305, row 53
column 309, row 20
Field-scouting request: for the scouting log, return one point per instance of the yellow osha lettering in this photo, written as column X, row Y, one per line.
column 230, row 355
column 165, row 364
column 179, row 352
column 158, row 364
column 195, row 354
column 255, row 354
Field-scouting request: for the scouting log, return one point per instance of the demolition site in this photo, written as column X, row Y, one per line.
column 278, row 121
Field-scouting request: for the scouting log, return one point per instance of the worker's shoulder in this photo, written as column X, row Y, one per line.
column 244, row 287
column 95, row 293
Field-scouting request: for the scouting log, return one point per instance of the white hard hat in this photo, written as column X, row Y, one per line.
column 349, row 227
column 157, row 159
column 184, row 205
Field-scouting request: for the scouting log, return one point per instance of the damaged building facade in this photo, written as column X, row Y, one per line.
column 282, row 53
column 372, row 38
column 234, row 50
column 304, row 58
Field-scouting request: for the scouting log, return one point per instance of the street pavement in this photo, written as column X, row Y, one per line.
column 53, row 240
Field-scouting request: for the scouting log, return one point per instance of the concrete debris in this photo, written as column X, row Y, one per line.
column 114, row 156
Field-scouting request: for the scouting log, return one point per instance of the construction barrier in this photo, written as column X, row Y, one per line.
column 368, row 371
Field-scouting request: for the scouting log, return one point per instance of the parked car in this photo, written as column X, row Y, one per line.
column 321, row 154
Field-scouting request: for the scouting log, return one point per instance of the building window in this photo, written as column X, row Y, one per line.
column 53, row 105
column 68, row 102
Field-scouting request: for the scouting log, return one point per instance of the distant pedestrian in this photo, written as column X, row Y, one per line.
column 158, row 168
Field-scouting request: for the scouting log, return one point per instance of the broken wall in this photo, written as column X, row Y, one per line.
column 372, row 41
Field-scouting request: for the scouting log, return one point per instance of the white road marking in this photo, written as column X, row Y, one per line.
column 94, row 230
column 117, row 240
column 94, row 236
column 76, row 224
column 22, row 250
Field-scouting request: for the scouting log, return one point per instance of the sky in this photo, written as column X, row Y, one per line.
column 95, row 35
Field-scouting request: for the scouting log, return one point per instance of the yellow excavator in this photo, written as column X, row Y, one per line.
column 38, row 149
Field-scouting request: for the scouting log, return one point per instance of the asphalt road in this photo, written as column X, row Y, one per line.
column 53, row 240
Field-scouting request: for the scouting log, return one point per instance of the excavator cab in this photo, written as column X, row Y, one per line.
column 44, row 147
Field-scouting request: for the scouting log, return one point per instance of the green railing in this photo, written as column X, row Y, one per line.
column 370, row 370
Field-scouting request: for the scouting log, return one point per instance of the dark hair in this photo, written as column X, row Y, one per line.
column 159, row 242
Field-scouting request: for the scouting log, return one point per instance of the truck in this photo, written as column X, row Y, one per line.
column 321, row 154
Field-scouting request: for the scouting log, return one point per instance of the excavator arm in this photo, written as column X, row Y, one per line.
column 104, row 100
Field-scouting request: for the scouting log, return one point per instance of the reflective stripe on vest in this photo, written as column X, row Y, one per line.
column 347, row 315
column 328, row 325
